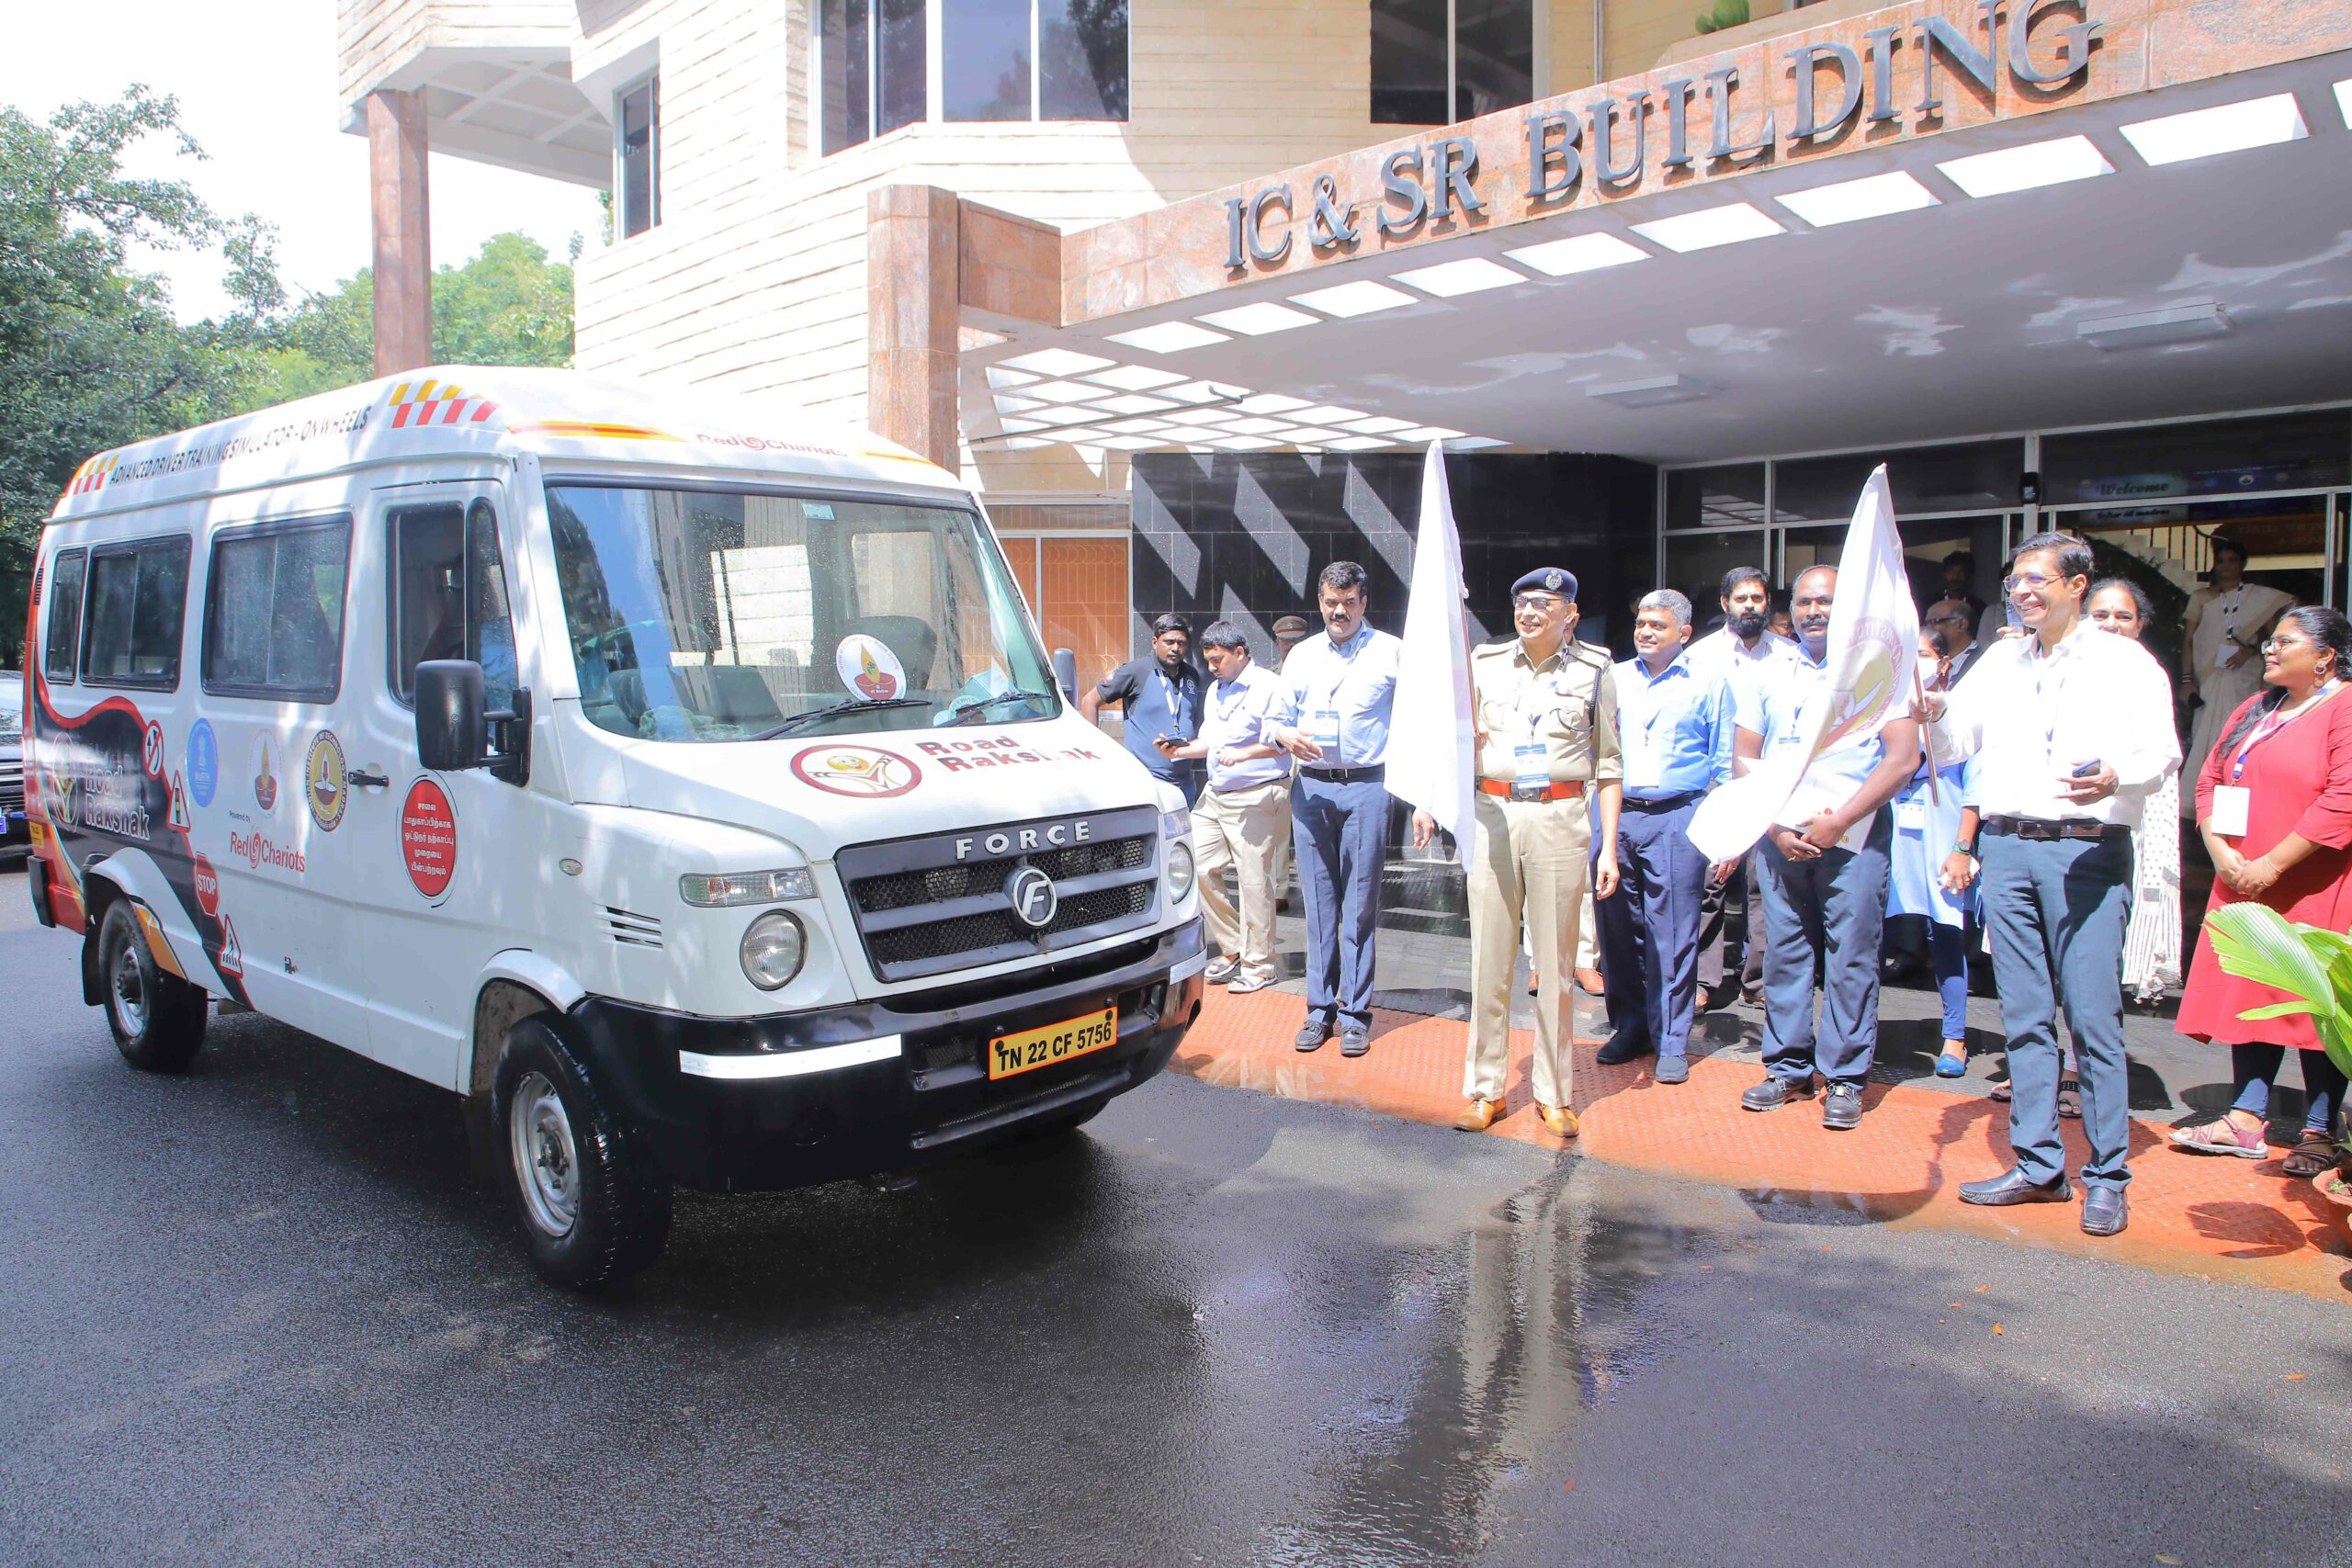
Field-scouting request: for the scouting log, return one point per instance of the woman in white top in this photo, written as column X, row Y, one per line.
column 2227, row 621
column 2151, row 944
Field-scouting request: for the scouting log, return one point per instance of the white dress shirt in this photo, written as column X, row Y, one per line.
column 1720, row 653
column 2029, row 718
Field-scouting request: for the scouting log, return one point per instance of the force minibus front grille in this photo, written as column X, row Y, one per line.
column 929, row 905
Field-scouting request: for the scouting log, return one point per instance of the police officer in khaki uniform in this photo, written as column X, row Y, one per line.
column 1546, row 714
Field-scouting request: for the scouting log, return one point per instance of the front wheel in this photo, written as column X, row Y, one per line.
column 593, row 1204
column 157, row 1019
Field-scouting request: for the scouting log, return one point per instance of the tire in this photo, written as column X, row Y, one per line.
column 594, row 1207
column 157, row 1019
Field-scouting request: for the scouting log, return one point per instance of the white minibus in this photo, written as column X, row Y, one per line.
column 684, row 787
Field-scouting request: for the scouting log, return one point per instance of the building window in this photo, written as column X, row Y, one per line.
column 1437, row 62
column 999, row 60
column 637, row 157
column 875, row 59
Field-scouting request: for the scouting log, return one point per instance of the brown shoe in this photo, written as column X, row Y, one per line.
column 1560, row 1122
column 1481, row 1115
column 1588, row 981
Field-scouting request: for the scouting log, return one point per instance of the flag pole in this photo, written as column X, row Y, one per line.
column 1926, row 741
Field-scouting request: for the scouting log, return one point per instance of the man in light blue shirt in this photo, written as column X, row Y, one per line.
column 1822, row 872
column 1674, row 732
column 1242, row 817
column 1334, row 718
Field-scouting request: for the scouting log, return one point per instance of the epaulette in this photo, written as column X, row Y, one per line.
column 1489, row 649
column 1593, row 653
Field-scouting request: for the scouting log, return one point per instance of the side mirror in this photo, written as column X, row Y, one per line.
column 453, row 732
column 452, row 735
column 1065, row 673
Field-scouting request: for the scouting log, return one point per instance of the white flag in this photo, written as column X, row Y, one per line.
column 1431, row 752
column 1873, row 647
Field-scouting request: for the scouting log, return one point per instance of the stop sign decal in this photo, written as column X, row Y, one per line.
column 429, row 837
column 208, row 886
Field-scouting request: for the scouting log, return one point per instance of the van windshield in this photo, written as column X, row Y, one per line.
column 702, row 615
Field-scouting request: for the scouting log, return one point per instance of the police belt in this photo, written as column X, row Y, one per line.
column 2049, row 827
column 1568, row 789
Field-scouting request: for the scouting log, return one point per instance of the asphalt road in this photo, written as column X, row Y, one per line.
column 262, row 1315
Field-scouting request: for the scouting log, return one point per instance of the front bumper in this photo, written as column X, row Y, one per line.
column 933, row 1100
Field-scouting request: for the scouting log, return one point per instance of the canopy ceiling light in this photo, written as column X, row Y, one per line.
column 1715, row 226
column 1133, row 378
column 1578, row 253
column 2344, row 100
column 1359, row 298
column 1058, row 362
column 1848, row 200
column 2225, row 127
column 1467, row 276
column 1257, row 321
column 2029, row 168
column 2147, row 329
column 1650, row 391
column 1169, row 337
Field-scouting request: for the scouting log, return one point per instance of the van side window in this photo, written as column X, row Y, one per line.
column 449, row 589
column 64, row 614
column 273, row 612
column 137, row 609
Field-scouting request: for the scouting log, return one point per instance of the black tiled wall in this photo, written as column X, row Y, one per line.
column 1242, row 537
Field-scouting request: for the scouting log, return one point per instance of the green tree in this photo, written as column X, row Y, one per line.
column 91, row 356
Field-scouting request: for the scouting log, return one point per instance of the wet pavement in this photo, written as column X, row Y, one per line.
column 264, row 1314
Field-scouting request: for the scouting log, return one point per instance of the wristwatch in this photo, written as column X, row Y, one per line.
column 1964, row 847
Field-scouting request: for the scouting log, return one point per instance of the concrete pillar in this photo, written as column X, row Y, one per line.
column 399, row 205
column 912, row 291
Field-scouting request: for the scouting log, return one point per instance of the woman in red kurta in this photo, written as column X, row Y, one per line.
column 2274, row 801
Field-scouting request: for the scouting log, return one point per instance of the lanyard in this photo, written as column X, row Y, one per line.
column 2270, row 726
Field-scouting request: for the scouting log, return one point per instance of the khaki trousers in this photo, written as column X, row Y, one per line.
column 1246, row 829
column 1528, row 862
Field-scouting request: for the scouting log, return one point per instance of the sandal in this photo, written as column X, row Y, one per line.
column 2314, row 1155
column 2070, row 1099
column 2221, row 1136
column 2000, row 1091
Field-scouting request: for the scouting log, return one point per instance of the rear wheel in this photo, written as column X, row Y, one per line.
column 157, row 1019
column 594, row 1206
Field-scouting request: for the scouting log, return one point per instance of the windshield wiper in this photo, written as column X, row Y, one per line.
column 965, row 712
column 834, row 710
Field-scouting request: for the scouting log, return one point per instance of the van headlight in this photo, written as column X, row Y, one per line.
column 773, row 949
column 747, row 887
column 1179, row 871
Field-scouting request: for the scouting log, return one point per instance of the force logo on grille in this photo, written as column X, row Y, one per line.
column 867, row 770
column 1033, row 896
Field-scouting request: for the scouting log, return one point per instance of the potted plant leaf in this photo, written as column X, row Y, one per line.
column 2314, row 967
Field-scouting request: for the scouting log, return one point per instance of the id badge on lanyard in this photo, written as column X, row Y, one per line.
column 1531, row 757
column 1323, row 729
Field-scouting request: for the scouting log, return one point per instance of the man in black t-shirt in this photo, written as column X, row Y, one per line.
column 1159, row 694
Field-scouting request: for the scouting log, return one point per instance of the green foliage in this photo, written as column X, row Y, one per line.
column 92, row 358
column 2311, row 964
column 1726, row 13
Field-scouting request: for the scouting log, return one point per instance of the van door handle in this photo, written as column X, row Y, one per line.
column 365, row 778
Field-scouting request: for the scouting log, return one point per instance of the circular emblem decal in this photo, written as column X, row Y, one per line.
column 264, row 773
column 856, row 770
column 429, row 838
column 203, row 762
column 1034, row 897
column 868, row 668
column 322, row 782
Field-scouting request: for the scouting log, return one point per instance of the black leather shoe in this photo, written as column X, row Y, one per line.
column 2104, row 1210
column 1774, row 1092
column 1355, row 1039
column 1624, row 1046
column 1841, row 1110
column 2012, row 1187
column 1671, row 1069
column 1311, row 1037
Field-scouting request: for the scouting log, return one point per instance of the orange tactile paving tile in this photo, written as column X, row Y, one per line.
column 2231, row 1220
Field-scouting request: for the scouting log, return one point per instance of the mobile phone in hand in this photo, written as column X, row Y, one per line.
column 2085, row 770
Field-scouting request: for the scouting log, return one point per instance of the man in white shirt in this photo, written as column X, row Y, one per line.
column 1336, row 693
column 2072, row 730
column 1243, row 814
column 1731, row 921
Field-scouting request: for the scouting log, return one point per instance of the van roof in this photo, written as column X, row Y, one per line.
column 452, row 411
